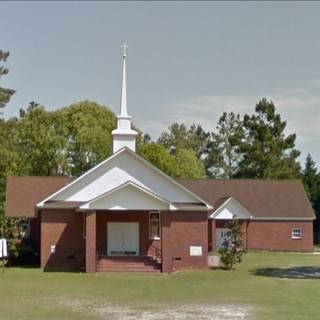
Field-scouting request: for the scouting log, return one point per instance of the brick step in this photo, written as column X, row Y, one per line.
column 135, row 264
column 128, row 264
column 142, row 271
column 117, row 264
column 124, row 258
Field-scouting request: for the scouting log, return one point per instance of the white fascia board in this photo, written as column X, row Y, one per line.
column 188, row 207
column 125, row 149
column 150, row 193
column 224, row 204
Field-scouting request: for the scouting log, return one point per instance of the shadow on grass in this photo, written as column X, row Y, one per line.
column 288, row 273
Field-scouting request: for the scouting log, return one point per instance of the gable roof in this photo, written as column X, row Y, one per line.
column 228, row 207
column 271, row 199
column 125, row 165
column 23, row 193
column 264, row 199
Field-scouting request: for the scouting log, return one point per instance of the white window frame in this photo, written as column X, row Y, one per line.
column 159, row 226
column 295, row 232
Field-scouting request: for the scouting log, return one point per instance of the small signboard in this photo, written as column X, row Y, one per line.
column 195, row 250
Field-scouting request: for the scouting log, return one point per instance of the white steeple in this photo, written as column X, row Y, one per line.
column 124, row 136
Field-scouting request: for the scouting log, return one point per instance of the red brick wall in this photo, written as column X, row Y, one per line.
column 64, row 229
column 276, row 235
column 180, row 230
column 145, row 244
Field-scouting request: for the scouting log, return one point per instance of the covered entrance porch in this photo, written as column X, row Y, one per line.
column 123, row 241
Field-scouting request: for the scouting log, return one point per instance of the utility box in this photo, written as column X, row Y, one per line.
column 213, row 261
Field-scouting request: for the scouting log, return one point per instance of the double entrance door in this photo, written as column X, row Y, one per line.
column 123, row 238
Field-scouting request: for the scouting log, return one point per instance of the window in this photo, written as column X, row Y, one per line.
column 25, row 229
column 154, row 225
column 296, row 233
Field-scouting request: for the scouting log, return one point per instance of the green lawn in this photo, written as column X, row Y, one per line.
column 270, row 285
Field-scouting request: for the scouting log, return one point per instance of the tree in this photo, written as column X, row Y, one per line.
column 181, row 137
column 188, row 165
column 232, row 250
column 223, row 157
column 8, row 156
column 87, row 126
column 311, row 180
column 266, row 152
column 5, row 93
column 160, row 157
column 39, row 144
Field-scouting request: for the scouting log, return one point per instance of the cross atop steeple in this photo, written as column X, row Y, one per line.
column 124, row 46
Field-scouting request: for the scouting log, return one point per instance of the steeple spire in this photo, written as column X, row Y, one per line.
column 124, row 136
column 123, row 108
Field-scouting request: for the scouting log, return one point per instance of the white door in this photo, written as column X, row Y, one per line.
column 123, row 238
column 221, row 237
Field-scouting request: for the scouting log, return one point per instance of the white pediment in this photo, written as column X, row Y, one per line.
column 230, row 209
column 127, row 196
column 120, row 168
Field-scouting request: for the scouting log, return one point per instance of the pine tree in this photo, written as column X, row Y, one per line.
column 311, row 180
column 5, row 94
column 265, row 149
column 223, row 157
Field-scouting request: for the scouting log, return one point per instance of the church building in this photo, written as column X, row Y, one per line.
column 126, row 215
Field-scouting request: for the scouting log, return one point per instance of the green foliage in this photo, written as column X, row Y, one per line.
column 21, row 255
column 223, row 155
column 183, row 164
column 39, row 143
column 181, row 137
column 11, row 228
column 8, row 156
column 188, row 165
column 160, row 157
column 87, row 128
column 233, row 250
column 311, row 180
column 265, row 150
column 5, row 93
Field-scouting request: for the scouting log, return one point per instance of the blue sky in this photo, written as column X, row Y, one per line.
column 187, row 61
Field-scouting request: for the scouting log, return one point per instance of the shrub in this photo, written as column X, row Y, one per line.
column 232, row 250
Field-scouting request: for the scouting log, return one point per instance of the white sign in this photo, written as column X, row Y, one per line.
column 3, row 248
column 195, row 250
column 53, row 249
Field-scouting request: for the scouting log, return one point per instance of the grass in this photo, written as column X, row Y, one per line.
column 273, row 286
